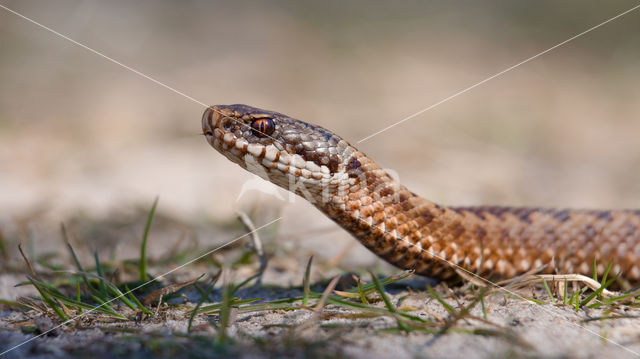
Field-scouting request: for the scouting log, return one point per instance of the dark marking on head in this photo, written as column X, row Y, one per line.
column 334, row 163
column 353, row 164
column 300, row 150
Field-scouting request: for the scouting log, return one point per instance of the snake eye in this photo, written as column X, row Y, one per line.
column 263, row 127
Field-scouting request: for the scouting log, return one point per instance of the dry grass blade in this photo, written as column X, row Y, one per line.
column 28, row 302
column 3, row 247
column 227, row 313
column 53, row 304
column 306, row 283
column 151, row 297
column 26, row 260
column 515, row 281
column 257, row 244
column 317, row 310
column 11, row 303
column 325, row 295
column 558, row 278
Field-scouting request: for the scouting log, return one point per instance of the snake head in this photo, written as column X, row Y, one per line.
column 279, row 148
column 271, row 138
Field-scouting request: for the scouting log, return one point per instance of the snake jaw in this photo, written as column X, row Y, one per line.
column 296, row 156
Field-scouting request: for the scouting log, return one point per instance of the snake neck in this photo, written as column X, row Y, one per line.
column 403, row 228
column 414, row 233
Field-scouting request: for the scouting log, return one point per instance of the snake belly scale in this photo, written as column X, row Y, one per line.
column 412, row 232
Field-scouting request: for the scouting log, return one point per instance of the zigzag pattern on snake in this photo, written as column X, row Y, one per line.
column 412, row 232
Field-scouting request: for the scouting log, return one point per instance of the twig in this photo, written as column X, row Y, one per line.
column 257, row 245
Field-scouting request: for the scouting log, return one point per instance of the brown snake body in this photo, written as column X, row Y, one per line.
column 412, row 232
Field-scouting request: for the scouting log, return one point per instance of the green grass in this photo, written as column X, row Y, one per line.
column 94, row 291
column 143, row 245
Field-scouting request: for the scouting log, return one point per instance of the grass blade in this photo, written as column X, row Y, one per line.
column 50, row 302
column 484, row 309
column 363, row 297
column 143, row 246
column 597, row 292
column 306, row 284
column 546, row 287
column 225, row 313
column 435, row 295
column 203, row 297
column 78, row 297
column 383, row 294
column 75, row 259
column 103, row 288
column 118, row 294
column 606, row 273
column 3, row 247
column 137, row 301
column 387, row 302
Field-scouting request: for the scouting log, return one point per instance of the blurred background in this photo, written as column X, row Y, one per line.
column 81, row 136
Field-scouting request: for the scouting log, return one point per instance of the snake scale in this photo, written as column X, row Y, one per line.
column 412, row 232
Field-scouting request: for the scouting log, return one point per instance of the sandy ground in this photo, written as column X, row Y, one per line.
column 88, row 143
column 514, row 327
column 532, row 331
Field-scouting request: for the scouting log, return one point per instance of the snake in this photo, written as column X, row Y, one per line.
column 409, row 231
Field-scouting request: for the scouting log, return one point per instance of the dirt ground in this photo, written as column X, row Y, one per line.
column 90, row 144
column 513, row 326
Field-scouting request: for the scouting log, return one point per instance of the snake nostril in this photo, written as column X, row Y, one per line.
column 226, row 123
